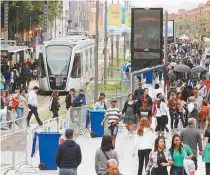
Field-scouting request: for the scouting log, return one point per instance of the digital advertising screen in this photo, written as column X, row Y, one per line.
column 146, row 37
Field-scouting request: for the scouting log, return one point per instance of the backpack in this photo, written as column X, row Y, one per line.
column 15, row 103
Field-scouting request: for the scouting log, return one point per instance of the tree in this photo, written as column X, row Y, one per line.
column 20, row 11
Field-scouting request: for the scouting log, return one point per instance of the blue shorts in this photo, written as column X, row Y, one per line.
column 113, row 131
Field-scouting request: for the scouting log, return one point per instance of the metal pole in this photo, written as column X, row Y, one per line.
column 96, row 53
column 112, row 53
column 124, row 50
column 105, row 45
column 17, row 21
column 166, row 38
column 45, row 20
column 55, row 26
column 30, row 27
column 6, row 10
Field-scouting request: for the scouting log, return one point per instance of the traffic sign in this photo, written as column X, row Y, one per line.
column 30, row 32
column 30, row 36
column 17, row 35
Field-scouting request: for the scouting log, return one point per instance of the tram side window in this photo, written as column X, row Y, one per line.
column 76, row 69
column 87, row 59
column 91, row 57
column 41, row 66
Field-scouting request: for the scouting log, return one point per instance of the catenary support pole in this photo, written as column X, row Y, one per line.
column 96, row 53
column 105, row 45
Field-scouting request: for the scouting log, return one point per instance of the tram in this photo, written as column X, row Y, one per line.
column 66, row 63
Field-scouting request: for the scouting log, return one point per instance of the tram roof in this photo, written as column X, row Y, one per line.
column 14, row 48
column 82, row 41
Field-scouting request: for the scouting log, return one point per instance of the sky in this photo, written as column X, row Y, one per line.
column 171, row 6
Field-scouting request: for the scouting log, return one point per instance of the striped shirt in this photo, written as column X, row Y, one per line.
column 113, row 114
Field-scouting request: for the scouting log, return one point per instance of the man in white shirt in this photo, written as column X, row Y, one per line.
column 33, row 105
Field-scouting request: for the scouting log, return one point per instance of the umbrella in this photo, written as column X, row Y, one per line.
column 171, row 75
column 182, row 68
column 198, row 69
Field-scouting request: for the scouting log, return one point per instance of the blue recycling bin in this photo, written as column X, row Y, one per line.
column 96, row 117
column 149, row 77
column 48, row 144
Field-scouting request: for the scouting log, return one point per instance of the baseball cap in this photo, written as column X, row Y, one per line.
column 113, row 100
column 82, row 90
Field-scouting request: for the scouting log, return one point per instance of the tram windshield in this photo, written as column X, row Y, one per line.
column 58, row 58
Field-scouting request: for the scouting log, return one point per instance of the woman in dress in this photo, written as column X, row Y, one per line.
column 130, row 111
column 144, row 135
column 179, row 152
column 103, row 154
column 159, row 158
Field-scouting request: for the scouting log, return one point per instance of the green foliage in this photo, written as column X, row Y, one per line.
column 195, row 29
column 21, row 11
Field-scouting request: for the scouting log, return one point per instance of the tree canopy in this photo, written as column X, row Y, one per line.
column 21, row 10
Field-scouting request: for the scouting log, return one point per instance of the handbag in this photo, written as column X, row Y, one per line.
column 189, row 165
column 206, row 154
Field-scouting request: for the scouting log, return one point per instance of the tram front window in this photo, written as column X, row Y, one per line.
column 58, row 58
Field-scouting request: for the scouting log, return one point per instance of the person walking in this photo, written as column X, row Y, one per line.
column 203, row 114
column 179, row 152
column 69, row 155
column 138, row 92
column 192, row 137
column 2, row 82
column 33, row 106
column 103, row 154
column 54, row 103
column 70, row 101
column 130, row 113
column 159, row 158
column 100, row 104
column 7, row 77
column 172, row 104
column 206, row 146
column 143, row 97
column 180, row 109
column 112, row 167
column 144, row 135
column 193, row 110
column 114, row 116
column 144, row 111
column 21, row 104
column 80, row 99
column 161, row 115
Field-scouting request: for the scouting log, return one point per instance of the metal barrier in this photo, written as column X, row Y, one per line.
column 76, row 119
column 58, row 124
column 79, row 120
column 120, row 101
column 15, row 146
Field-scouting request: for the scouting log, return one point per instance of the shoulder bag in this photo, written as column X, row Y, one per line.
column 189, row 165
column 107, row 157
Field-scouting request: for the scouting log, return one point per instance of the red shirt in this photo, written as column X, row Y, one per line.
column 154, row 110
column 28, row 63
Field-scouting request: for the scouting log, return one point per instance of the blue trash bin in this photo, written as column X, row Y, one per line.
column 48, row 144
column 149, row 77
column 96, row 117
